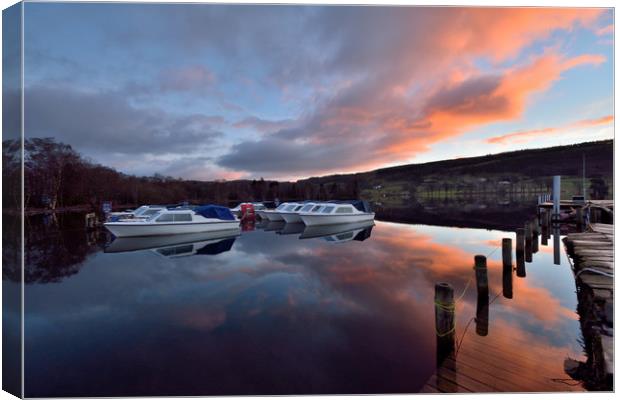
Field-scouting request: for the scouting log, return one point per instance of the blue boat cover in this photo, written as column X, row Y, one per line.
column 212, row 211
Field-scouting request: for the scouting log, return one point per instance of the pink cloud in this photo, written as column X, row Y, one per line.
column 523, row 136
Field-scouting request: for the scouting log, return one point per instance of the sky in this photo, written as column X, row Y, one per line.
column 286, row 92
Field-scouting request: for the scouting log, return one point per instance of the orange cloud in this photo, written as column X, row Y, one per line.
column 522, row 136
column 453, row 110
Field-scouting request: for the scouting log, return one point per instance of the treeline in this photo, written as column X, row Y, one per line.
column 57, row 176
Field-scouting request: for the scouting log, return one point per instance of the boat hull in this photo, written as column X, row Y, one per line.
column 291, row 218
column 120, row 229
column 330, row 219
column 273, row 216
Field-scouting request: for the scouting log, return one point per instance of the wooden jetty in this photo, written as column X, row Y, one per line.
column 604, row 205
column 592, row 255
column 484, row 360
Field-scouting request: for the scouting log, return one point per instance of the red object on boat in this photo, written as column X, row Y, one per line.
column 247, row 211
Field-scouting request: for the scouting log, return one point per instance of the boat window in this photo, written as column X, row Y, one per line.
column 316, row 208
column 182, row 217
column 152, row 211
column 344, row 236
column 165, row 218
column 307, row 207
column 140, row 210
column 281, row 206
column 344, row 210
column 327, row 209
column 297, row 208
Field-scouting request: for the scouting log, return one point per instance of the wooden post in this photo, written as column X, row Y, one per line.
column 520, row 253
column 557, row 195
column 556, row 244
column 482, row 280
column 544, row 230
column 507, row 267
column 482, row 314
column 535, row 232
column 579, row 218
column 444, row 321
column 528, row 242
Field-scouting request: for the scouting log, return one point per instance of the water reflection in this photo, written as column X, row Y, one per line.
column 176, row 245
column 339, row 233
column 277, row 315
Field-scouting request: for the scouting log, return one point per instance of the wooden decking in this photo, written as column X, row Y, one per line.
column 486, row 364
column 497, row 363
column 609, row 204
column 593, row 265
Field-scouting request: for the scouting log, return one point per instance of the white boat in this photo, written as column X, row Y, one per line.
column 141, row 212
column 125, row 244
column 338, row 233
column 290, row 213
column 172, row 222
column 274, row 215
column 341, row 212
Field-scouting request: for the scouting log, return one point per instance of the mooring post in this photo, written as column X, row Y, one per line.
column 556, row 244
column 535, row 232
column 544, row 227
column 507, row 267
column 520, row 253
column 482, row 314
column 444, row 320
column 482, row 304
column 482, row 280
column 528, row 242
column 579, row 218
column 556, row 197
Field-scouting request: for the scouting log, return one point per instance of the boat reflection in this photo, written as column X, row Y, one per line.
column 209, row 243
column 291, row 229
column 274, row 226
column 339, row 233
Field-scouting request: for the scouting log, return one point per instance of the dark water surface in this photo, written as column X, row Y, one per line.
column 268, row 312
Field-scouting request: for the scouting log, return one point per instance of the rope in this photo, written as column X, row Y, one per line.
column 596, row 271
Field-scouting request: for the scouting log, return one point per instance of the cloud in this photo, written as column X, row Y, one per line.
column 350, row 133
column 527, row 135
column 606, row 30
column 358, row 87
column 263, row 125
column 105, row 122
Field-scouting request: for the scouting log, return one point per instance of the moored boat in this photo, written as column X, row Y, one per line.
column 290, row 214
column 171, row 222
column 274, row 215
column 337, row 212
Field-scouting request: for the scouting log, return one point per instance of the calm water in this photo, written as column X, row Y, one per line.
column 270, row 312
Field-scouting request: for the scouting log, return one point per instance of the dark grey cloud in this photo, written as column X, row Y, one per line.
column 100, row 122
column 263, row 125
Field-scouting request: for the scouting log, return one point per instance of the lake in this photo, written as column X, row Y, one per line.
column 276, row 309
